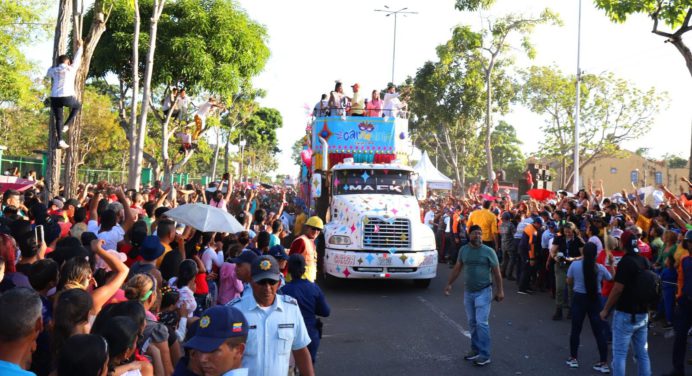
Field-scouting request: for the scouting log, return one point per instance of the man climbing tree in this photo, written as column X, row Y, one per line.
column 62, row 92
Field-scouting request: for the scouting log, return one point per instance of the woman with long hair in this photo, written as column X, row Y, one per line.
column 121, row 334
column 142, row 288
column 77, row 273
column 585, row 276
column 70, row 317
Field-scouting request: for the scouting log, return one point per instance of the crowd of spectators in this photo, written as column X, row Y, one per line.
column 588, row 251
column 104, row 283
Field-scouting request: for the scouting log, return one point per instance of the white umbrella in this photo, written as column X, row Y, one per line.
column 205, row 218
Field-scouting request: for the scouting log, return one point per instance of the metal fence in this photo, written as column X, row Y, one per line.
column 86, row 175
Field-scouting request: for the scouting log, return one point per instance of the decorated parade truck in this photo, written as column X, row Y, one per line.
column 362, row 184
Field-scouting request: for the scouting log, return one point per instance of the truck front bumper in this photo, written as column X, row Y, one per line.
column 381, row 265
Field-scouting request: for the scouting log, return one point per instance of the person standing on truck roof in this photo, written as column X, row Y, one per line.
column 481, row 265
column 305, row 245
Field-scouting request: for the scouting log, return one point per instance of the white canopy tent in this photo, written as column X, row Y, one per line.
column 431, row 175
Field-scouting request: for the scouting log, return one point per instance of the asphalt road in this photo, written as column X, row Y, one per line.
column 393, row 328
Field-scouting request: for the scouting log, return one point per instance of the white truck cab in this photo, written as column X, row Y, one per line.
column 376, row 230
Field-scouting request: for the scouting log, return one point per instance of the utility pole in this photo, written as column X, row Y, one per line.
column 575, row 183
column 389, row 12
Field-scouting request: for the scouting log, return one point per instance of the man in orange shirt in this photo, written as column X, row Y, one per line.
column 488, row 224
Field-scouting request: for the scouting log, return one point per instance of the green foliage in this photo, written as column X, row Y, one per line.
column 296, row 149
column 260, row 131
column 473, row 5
column 506, row 149
column 21, row 23
column 672, row 13
column 103, row 144
column 613, row 112
column 676, row 162
column 207, row 46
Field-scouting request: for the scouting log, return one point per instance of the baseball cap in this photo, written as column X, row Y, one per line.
column 538, row 221
column 278, row 252
column 552, row 224
column 216, row 325
column 57, row 202
column 265, row 267
column 245, row 257
column 506, row 216
column 151, row 248
column 355, row 85
column 475, row 228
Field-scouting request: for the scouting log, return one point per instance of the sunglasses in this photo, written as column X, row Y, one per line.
column 265, row 282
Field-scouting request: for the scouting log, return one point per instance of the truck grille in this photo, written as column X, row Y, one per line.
column 380, row 233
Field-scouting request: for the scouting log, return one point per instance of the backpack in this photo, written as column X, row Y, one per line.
column 648, row 287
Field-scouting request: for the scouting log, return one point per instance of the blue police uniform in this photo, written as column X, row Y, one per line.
column 312, row 304
column 272, row 334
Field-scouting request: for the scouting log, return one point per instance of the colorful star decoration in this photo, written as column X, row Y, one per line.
column 365, row 177
column 325, row 132
column 360, row 261
column 370, row 258
column 403, row 237
column 346, row 272
column 403, row 258
column 392, row 250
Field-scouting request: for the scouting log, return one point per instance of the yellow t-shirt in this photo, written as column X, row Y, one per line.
column 166, row 248
column 298, row 225
column 486, row 220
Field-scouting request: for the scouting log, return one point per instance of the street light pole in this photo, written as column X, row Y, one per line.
column 575, row 183
column 395, row 13
column 242, row 148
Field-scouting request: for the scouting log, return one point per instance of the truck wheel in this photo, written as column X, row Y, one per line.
column 422, row 283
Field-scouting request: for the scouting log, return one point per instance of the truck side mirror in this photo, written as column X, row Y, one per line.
column 316, row 185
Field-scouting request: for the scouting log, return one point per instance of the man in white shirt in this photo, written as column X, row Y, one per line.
column 392, row 104
column 429, row 217
column 201, row 116
column 62, row 91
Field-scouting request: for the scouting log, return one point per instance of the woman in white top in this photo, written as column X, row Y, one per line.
column 585, row 277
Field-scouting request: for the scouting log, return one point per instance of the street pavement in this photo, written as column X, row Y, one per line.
column 393, row 328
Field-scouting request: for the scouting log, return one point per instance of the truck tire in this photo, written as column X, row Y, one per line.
column 422, row 283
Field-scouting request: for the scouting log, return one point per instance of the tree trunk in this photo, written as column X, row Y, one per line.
column 226, row 155
column 216, row 154
column 132, row 130
column 146, row 94
column 462, row 173
column 684, row 51
column 488, row 126
column 689, row 162
column 98, row 26
column 62, row 32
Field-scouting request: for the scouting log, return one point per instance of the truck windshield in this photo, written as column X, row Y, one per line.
column 359, row 181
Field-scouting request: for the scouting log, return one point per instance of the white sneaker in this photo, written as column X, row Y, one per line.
column 65, row 128
column 63, row 145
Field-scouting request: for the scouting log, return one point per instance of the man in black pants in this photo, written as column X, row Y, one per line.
column 62, row 92
column 529, row 246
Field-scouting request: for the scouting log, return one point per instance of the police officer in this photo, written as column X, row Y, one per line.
column 276, row 328
column 220, row 341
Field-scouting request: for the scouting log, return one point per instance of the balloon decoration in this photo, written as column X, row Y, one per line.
column 306, row 157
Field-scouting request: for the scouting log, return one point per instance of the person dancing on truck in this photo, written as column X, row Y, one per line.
column 305, row 245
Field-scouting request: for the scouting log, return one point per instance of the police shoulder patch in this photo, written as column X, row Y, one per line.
column 289, row 299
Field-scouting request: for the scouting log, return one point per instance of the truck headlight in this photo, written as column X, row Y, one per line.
column 339, row 240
